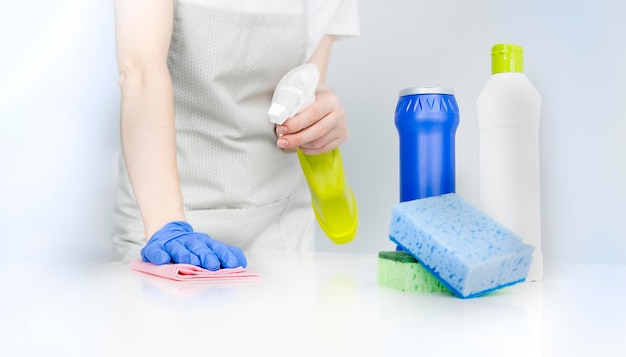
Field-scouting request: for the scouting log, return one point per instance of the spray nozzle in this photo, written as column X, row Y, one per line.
column 294, row 92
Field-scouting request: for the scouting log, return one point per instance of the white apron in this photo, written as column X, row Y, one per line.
column 237, row 185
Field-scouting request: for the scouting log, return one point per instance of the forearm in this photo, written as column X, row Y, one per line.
column 321, row 56
column 149, row 144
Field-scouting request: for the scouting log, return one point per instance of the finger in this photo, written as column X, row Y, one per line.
column 226, row 257
column 180, row 254
column 208, row 259
column 325, row 115
column 155, row 255
column 278, row 135
column 321, row 137
column 303, row 137
column 290, row 150
column 238, row 253
column 309, row 116
column 323, row 149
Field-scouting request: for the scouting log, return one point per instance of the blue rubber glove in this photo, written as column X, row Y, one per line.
column 177, row 242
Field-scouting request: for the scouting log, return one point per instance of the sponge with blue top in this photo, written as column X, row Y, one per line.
column 466, row 250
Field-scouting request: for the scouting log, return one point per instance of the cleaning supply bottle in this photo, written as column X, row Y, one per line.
column 332, row 198
column 426, row 119
column 508, row 110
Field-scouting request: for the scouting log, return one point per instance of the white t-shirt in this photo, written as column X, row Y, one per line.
column 326, row 17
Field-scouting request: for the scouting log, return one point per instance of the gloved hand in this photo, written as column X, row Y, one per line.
column 177, row 242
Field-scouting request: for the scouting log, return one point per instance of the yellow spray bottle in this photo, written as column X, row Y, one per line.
column 332, row 198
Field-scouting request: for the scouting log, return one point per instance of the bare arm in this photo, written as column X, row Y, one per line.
column 322, row 54
column 143, row 31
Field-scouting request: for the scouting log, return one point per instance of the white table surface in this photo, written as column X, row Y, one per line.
column 317, row 304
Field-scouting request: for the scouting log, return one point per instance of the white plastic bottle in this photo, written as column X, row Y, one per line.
column 509, row 109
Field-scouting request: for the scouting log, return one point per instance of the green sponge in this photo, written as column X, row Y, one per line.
column 399, row 270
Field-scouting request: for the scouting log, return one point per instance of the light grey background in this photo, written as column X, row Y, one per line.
column 574, row 55
column 59, row 106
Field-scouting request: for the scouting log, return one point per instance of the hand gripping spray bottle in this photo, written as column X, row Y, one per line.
column 508, row 110
column 332, row 198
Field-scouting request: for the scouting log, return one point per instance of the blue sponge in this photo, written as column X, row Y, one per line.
column 467, row 251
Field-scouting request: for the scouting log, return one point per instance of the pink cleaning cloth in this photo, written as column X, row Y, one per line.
column 187, row 272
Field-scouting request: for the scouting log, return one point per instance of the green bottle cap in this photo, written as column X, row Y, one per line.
column 507, row 58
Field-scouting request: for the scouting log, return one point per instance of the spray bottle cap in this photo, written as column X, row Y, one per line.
column 294, row 92
column 277, row 113
column 507, row 58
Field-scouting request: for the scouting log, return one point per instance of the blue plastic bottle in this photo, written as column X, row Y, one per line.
column 426, row 119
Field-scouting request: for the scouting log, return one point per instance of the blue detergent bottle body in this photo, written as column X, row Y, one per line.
column 426, row 119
